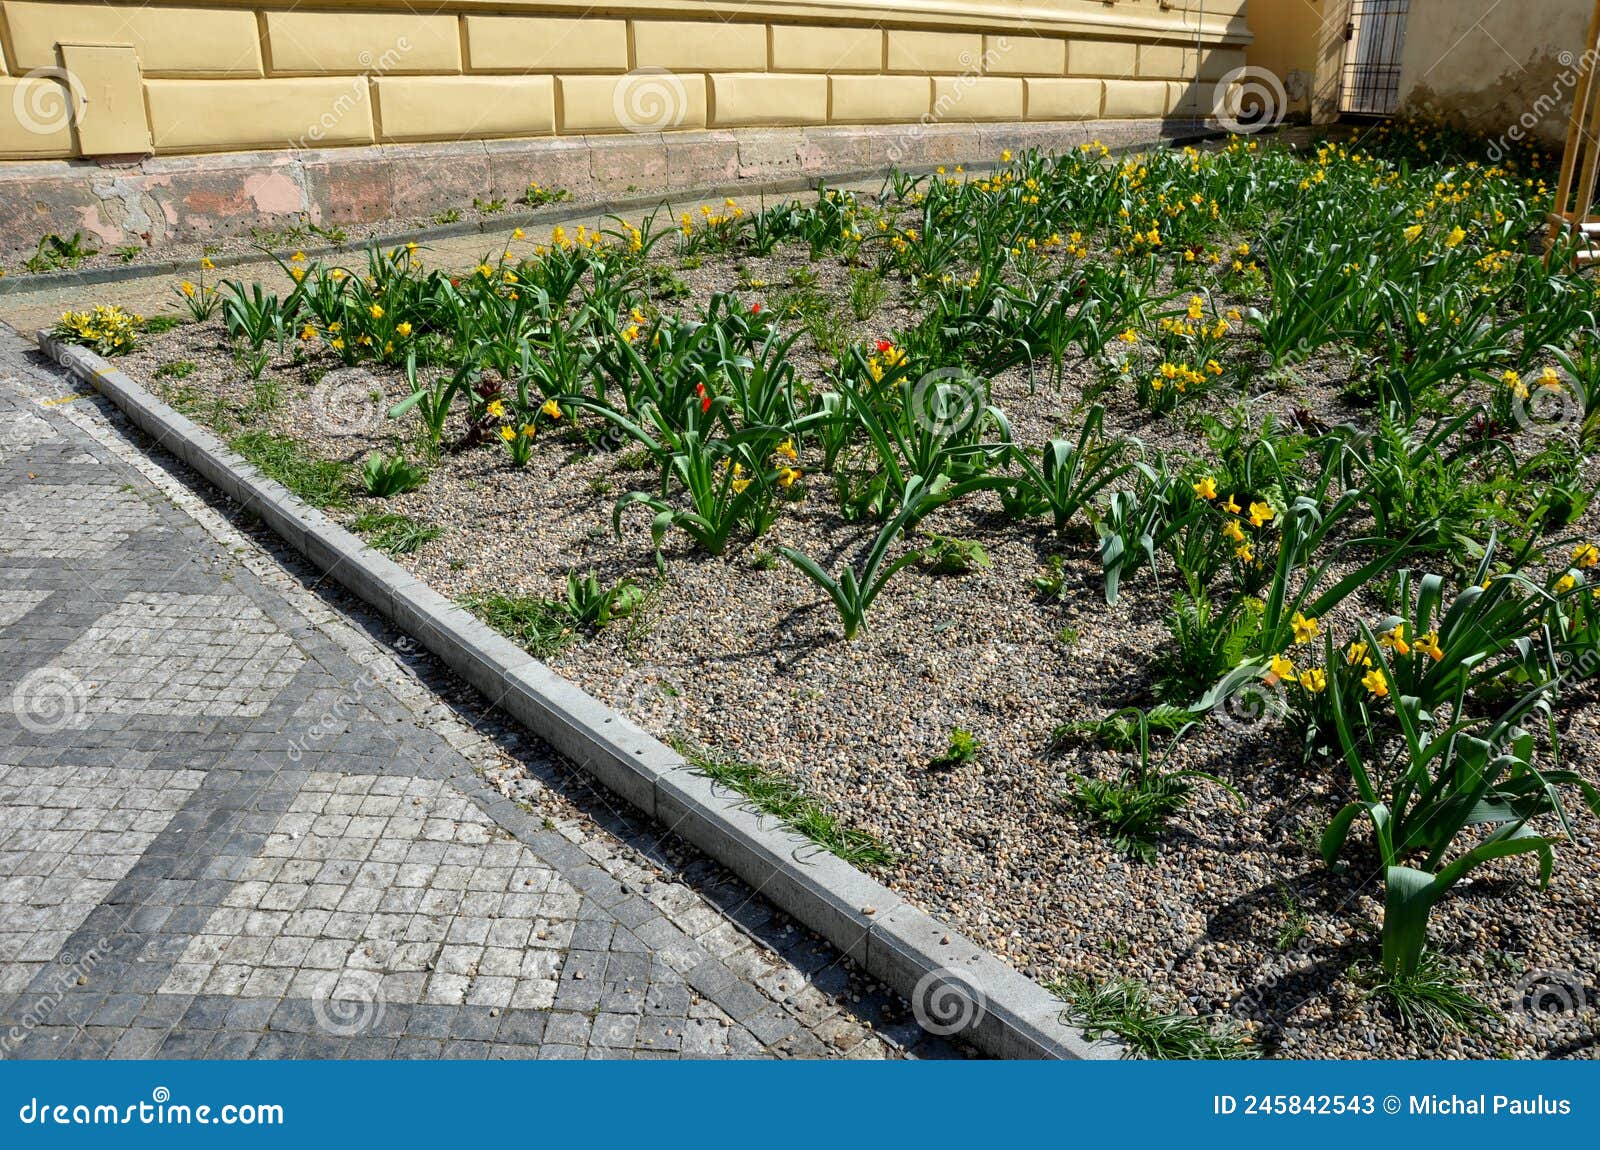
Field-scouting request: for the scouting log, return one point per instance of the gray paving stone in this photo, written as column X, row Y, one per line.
column 274, row 841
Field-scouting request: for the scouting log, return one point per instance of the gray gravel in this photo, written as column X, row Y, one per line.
column 747, row 658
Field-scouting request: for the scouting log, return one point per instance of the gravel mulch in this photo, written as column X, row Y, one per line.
column 1237, row 914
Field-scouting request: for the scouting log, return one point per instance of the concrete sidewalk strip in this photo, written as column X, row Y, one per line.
column 955, row 987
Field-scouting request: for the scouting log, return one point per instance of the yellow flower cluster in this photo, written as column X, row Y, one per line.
column 1313, row 680
column 884, row 359
column 637, row 321
column 788, row 475
column 106, row 329
column 1181, row 376
column 1549, row 379
column 1258, row 515
column 583, row 240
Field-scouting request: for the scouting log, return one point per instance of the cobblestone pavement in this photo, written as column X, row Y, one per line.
column 238, row 821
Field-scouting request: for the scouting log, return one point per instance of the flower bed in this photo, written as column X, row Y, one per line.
column 1174, row 571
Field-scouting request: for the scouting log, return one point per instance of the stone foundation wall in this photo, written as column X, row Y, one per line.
column 162, row 200
column 140, row 122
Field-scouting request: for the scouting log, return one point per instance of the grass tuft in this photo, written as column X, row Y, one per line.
column 1133, row 811
column 177, row 369
column 539, row 625
column 320, row 482
column 1431, row 1001
column 776, row 796
column 394, row 533
column 1128, row 1011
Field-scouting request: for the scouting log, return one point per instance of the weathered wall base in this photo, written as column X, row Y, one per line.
column 162, row 200
column 1506, row 70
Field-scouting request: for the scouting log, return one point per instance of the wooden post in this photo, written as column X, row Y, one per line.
column 1582, row 145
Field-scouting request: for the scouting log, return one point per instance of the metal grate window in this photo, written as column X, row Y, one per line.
column 1374, row 37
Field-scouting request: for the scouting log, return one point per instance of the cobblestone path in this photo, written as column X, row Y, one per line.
column 238, row 821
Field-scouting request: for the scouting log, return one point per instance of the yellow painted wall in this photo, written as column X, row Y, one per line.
column 1301, row 42
column 230, row 75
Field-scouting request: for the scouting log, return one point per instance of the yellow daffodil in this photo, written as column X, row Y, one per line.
column 1233, row 531
column 1357, row 653
column 1429, row 646
column 1586, row 555
column 308, row 332
column 1305, row 629
column 1376, row 682
column 495, row 409
column 1282, row 668
column 1231, row 507
column 1395, row 640
column 1314, row 680
column 788, row 476
column 1260, row 514
column 1206, row 488
column 551, row 408
column 1566, row 583
column 1244, row 554
column 507, row 434
column 402, row 329
column 375, row 311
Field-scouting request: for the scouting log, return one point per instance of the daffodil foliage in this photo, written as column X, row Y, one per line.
column 1395, row 568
